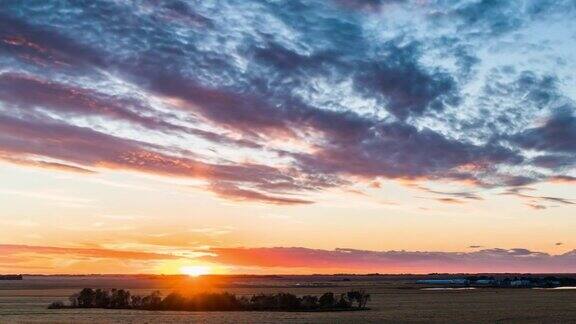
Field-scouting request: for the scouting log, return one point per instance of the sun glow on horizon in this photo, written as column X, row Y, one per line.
column 195, row 270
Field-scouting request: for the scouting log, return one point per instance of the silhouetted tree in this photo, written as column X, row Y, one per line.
column 327, row 300
column 310, row 302
column 86, row 298
column 287, row 301
column 73, row 300
column 136, row 301
column 261, row 301
column 173, row 301
column 122, row 299
column 221, row 301
column 119, row 298
column 102, row 298
column 343, row 302
column 152, row 301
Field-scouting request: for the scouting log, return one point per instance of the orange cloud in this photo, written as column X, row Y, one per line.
column 44, row 164
column 450, row 200
column 72, row 260
column 14, row 249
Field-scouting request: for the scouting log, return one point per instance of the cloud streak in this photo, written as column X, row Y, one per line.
column 15, row 250
column 351, row 260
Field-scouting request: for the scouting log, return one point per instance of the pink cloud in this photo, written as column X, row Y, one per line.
column 363, row 261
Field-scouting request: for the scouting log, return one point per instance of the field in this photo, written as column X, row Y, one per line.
column 394, row 299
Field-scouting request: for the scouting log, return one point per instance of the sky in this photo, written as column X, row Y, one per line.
column 287, row 136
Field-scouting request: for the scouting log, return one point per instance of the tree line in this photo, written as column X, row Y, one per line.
column 123, row 299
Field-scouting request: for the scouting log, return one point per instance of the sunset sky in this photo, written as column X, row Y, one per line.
column 287, row 136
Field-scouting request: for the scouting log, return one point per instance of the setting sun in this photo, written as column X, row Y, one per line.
column 195, row 271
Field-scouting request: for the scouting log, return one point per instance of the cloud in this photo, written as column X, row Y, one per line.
column 351, row 260
column 536, row 206
column 368, row 4
column 86, row 147
column 450, row 197
column 52, row 260
column 32, row 92
column 534, row 201
column 555, row 136
column 491, row 18
column 17, row 250
column 450, row 200
column 44, row 164
column 408, row 87
column 230, row 191
column 43, row 47
column 29, row 257
column 563, row 179
column 313, row 94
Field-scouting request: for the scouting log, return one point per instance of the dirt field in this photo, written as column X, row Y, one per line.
column 393, row 300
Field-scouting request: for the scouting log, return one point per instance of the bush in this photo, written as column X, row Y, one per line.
column 358, row 296
column 56, row 305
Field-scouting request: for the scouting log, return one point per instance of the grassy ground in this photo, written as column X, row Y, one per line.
column 392, row 301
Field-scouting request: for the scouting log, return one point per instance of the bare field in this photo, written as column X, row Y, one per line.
column 393, row 300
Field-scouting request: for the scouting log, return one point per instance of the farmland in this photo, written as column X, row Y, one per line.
column 394, row 299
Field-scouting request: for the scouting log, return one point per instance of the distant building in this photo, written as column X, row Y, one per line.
column 443, row 282
column 484, row 282
column 503, row 282
column 520, row 283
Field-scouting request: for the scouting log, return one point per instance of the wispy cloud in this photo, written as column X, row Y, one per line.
column 535, row 201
